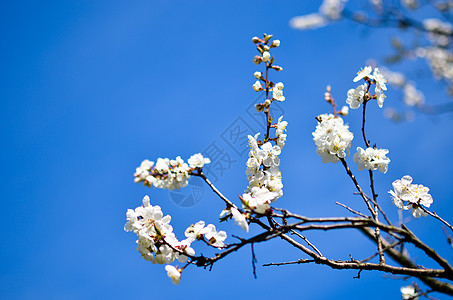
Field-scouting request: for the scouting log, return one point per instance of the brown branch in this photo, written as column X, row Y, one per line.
column 434, row 215
column 351, row 210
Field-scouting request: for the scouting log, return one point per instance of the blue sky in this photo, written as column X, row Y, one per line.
column 91, row 88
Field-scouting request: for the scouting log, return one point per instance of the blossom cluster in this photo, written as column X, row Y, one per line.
column 158, row 244
column 330, row 10
column 263, row 174
column 332, row 138
column 409, row 292
column 410, row 196
column 371, row 159
column 156, row 240
column 361, row 93
column 168, row 173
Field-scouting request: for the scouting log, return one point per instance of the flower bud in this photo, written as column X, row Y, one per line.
column 256, row 40
column 267, row 103
column 277, row 68
column 275, row 43
column 257, row 86
column 266, row 48
column 279, row 86
column 267, row 37
column 344, row 111
column 257, row 75
column 259, row 107
column 257, row 59
column 266, row 56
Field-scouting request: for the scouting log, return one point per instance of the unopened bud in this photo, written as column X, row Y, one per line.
column 275, row 43
column 257, row 59
column 266, row 48
column 267, row 37
column 344, row 111
column 266, row 56
column 258, row 75
column 267, row 103
column 277, row 68
column 257, row 86
column 259, row 107
column 256, row 40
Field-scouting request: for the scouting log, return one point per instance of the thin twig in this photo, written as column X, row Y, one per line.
column 351, row 210
column 434, row 215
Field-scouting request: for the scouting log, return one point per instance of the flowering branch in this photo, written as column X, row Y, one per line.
column 157, row 242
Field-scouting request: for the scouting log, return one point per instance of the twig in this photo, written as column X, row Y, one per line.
column 254, row 260
column 351, row 210
column 434, row 215
column 299, row 261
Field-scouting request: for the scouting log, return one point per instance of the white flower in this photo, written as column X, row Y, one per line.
column 344, row 111
column 268, row 155
column 257, row 86
column 275, row 43
column 214, row 238
column 166, row 173
column 332, row 8
column 412, row 96
column 410, row 196
column 409, row 292
column 194, row 231
column 255, row 204
column 266, row 56
column 281, row 126
column 380, row 79
column 239, row 219
column 310, row 21
column 355, row 96
column 258, row 199
column 380, row 97
column 198, row 161
column 154, row 232
column 411, row 4
column 173, row 273
column 257, row 75
column 184, row 246
column 372, row 159
column 332, row 138
column 277, row 92
column 365, row 72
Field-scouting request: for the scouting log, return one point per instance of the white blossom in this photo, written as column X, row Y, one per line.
column 277, row 92
column 198, row 161
column 266, row 56
column 257, row 75
column 355, row 96
column 344, row 110
column 379, row 79
column 238, row 217
column 371, row 159
column 194, row 231
column 364, row 73
column 409, row 292
column 310, row 21
column 410, row 196
column 257, row 86
column 332, row 138
column 332, row 8
column 411, row 4
column 412, row 96
column 173, row 273
column 154, row 233
column 213, row 237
